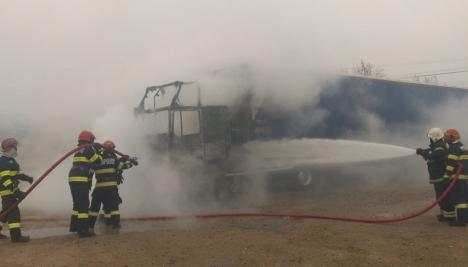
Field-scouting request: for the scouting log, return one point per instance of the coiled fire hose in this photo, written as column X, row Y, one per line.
column 4, row 213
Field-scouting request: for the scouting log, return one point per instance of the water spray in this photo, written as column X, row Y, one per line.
column 238, row 214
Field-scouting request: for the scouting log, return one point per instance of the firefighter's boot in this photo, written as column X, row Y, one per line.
column 115, row 229
column 73, row 224
column 443, row 219
column 461, row 218
column 91, row 231
column 92, row 221
column 457, row 223
column 83, row 229
column 85, row 233
column 2, row 236
column 16, row 236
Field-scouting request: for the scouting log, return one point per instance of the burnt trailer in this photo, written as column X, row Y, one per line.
column 344, row 101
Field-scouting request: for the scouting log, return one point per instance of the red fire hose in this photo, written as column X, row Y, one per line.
column 237, row 214
column 39, row 180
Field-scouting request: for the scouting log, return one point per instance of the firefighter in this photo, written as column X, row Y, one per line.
column 108, row 177
column 80, row 177
column 10, row 175
column 435, row 157
column 458, row 195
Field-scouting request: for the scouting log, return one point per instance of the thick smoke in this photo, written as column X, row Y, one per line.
column 159, row 187
column 73, row 65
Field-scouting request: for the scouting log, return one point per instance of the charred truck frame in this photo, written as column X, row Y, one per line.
column 206, row 132
column 202, row 130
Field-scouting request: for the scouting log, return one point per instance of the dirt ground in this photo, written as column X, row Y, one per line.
column 263, row 241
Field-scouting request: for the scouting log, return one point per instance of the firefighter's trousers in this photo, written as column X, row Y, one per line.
column 109, row 197
column 447, row 208
column 458, row 196
column 13, row 219
column 80, row 218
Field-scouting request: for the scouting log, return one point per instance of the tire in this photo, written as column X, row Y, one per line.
column 304, row 178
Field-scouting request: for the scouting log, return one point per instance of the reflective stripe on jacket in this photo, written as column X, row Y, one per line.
column 9, row 176
column 84, row 161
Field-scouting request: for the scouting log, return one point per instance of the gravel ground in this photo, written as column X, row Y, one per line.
column 264, row 241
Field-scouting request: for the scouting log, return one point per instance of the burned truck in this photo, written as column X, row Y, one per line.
column 219, row 135
column 212, row 134
column 203, row 131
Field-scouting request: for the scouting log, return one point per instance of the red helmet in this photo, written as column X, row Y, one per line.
column 9, row 143
column 86, row 136
column 451, row 135
column 108, row 145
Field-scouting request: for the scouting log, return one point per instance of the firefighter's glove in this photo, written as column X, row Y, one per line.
column 98, row 147
column 419, row 151
column 28, row 179
column 120, row 179
column 134, row 161
column 20, row 194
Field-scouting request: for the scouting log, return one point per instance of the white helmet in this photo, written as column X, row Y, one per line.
column 435, row 134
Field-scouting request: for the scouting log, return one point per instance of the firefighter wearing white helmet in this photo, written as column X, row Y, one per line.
column 10, row 176
column 435, row 156
column 435, row 134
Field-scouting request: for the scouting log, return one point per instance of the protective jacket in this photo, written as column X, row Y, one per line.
column 436, row 160
column 456, row 152
column 84, row 162
column 10, row 175
column 109, row 169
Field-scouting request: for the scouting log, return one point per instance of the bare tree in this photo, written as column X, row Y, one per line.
column 432, row 79
column 368, row 69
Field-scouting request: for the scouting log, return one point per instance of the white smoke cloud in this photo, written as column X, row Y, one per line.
column 73, row 65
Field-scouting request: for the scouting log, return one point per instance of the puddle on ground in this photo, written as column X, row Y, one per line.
column 38, row 230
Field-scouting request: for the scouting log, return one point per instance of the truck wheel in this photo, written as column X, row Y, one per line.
column 304, row 178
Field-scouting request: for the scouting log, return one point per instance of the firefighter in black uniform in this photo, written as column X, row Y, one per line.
column 79, row 179
column 108, row 177
column 10, row 175
column 458, row 195
column 435, row 157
